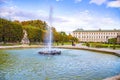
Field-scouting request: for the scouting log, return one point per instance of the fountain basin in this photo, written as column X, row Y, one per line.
column 28, row 64
column 52, row 52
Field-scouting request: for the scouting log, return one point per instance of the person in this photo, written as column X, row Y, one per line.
column 73, row 44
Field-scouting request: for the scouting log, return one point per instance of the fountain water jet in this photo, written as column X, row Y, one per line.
column 48, row 39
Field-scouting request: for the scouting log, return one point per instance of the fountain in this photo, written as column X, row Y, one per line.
column 48, row 39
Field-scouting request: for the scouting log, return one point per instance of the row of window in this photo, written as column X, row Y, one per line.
column 95, row 37
column 97, row 40
column 103, row 33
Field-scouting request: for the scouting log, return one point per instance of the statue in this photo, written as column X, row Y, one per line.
column 25, row 39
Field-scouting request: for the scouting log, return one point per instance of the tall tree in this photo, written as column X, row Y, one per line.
column 34, row 33
column 10, row 32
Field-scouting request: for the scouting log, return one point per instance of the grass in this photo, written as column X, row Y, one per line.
column 9, row 44
column 65, row 43
column 102, row 45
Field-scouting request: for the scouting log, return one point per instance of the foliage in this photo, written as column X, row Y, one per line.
column 34, row 33
column 87, row 44
column 36, row 23
column 62, row 37
column 102, row 45
column 75, row 39
column 112, row 40
column 10, row 31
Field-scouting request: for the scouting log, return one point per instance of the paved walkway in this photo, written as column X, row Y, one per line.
column 20, row 46
column 113, row 78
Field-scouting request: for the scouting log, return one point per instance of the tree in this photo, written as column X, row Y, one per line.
column 17, row 22
column 75, row 39
column 63, row 37
column 70, row 38
column 36, row 29
column 35, row 23
column 1, row 32
column 10, row 31
column 56, row 36
column 16, row 29
column 34, row 33
column 112, row 41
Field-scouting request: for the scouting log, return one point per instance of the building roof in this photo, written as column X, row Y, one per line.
column 82, row 30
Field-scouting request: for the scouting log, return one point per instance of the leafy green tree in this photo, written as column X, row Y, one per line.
column 36, row 29
column 16, row 29
column 35, row 23
column 63, row 37
column 70, row 37
column 1, row 32
column 56, row 36
column 34, row 33
column 9, row 31
column 75, row 39
column 113, row 41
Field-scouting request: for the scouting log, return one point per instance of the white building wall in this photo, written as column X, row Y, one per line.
column 95, row 36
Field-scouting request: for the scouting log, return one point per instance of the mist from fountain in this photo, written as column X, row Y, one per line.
column 48, row 38
column 49, row 31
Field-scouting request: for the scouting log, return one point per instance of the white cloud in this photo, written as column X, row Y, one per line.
column 115, row 4
column 59, row 0
column 15, row 13
column 86, row 20
column 98, row 2
column 76, row 1
column 83, row 19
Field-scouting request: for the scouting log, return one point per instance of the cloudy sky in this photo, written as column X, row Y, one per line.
column 68, row 15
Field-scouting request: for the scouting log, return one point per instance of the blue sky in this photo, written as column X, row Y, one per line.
column 68, row 15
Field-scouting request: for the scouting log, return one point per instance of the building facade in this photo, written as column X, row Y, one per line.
column 95, row 35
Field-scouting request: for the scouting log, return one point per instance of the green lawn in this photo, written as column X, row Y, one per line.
column 65, row 43
column 102, row 45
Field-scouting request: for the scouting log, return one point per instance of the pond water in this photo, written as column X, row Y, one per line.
column 27, row 64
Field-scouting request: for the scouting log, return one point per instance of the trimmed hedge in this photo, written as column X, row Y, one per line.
column 101, row 45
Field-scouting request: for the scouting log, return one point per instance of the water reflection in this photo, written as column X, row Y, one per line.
column 27, row 64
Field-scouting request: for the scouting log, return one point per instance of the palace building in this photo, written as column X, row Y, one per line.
column 96, row 35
